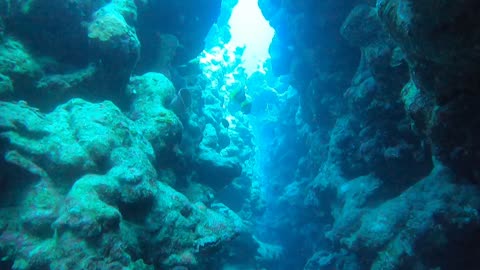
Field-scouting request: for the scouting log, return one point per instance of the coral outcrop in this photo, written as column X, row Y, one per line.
column 91, row 169
column 88, row 180
column 89, row 49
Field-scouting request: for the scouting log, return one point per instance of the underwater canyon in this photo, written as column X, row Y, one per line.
column 143, row 134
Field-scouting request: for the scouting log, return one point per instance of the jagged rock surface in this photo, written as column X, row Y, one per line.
column 378, row 138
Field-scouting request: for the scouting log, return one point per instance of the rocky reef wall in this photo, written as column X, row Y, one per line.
column 113, row 139
column 387, row 122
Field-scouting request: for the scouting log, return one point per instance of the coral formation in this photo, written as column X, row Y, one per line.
column 89, row 183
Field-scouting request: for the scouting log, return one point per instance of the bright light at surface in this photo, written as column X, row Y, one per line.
column 249, row 28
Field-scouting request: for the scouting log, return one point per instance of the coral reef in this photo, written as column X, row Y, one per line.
column 132, row 136
column 90, row 179
column 88, row 183
column 103, row 37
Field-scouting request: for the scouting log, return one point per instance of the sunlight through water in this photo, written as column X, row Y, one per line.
column 249, row 28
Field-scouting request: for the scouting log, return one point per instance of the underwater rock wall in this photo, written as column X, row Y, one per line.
column 387, row 117
column 441, row 48
column 114, row 145
column 90, row 48
column 81, row 191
